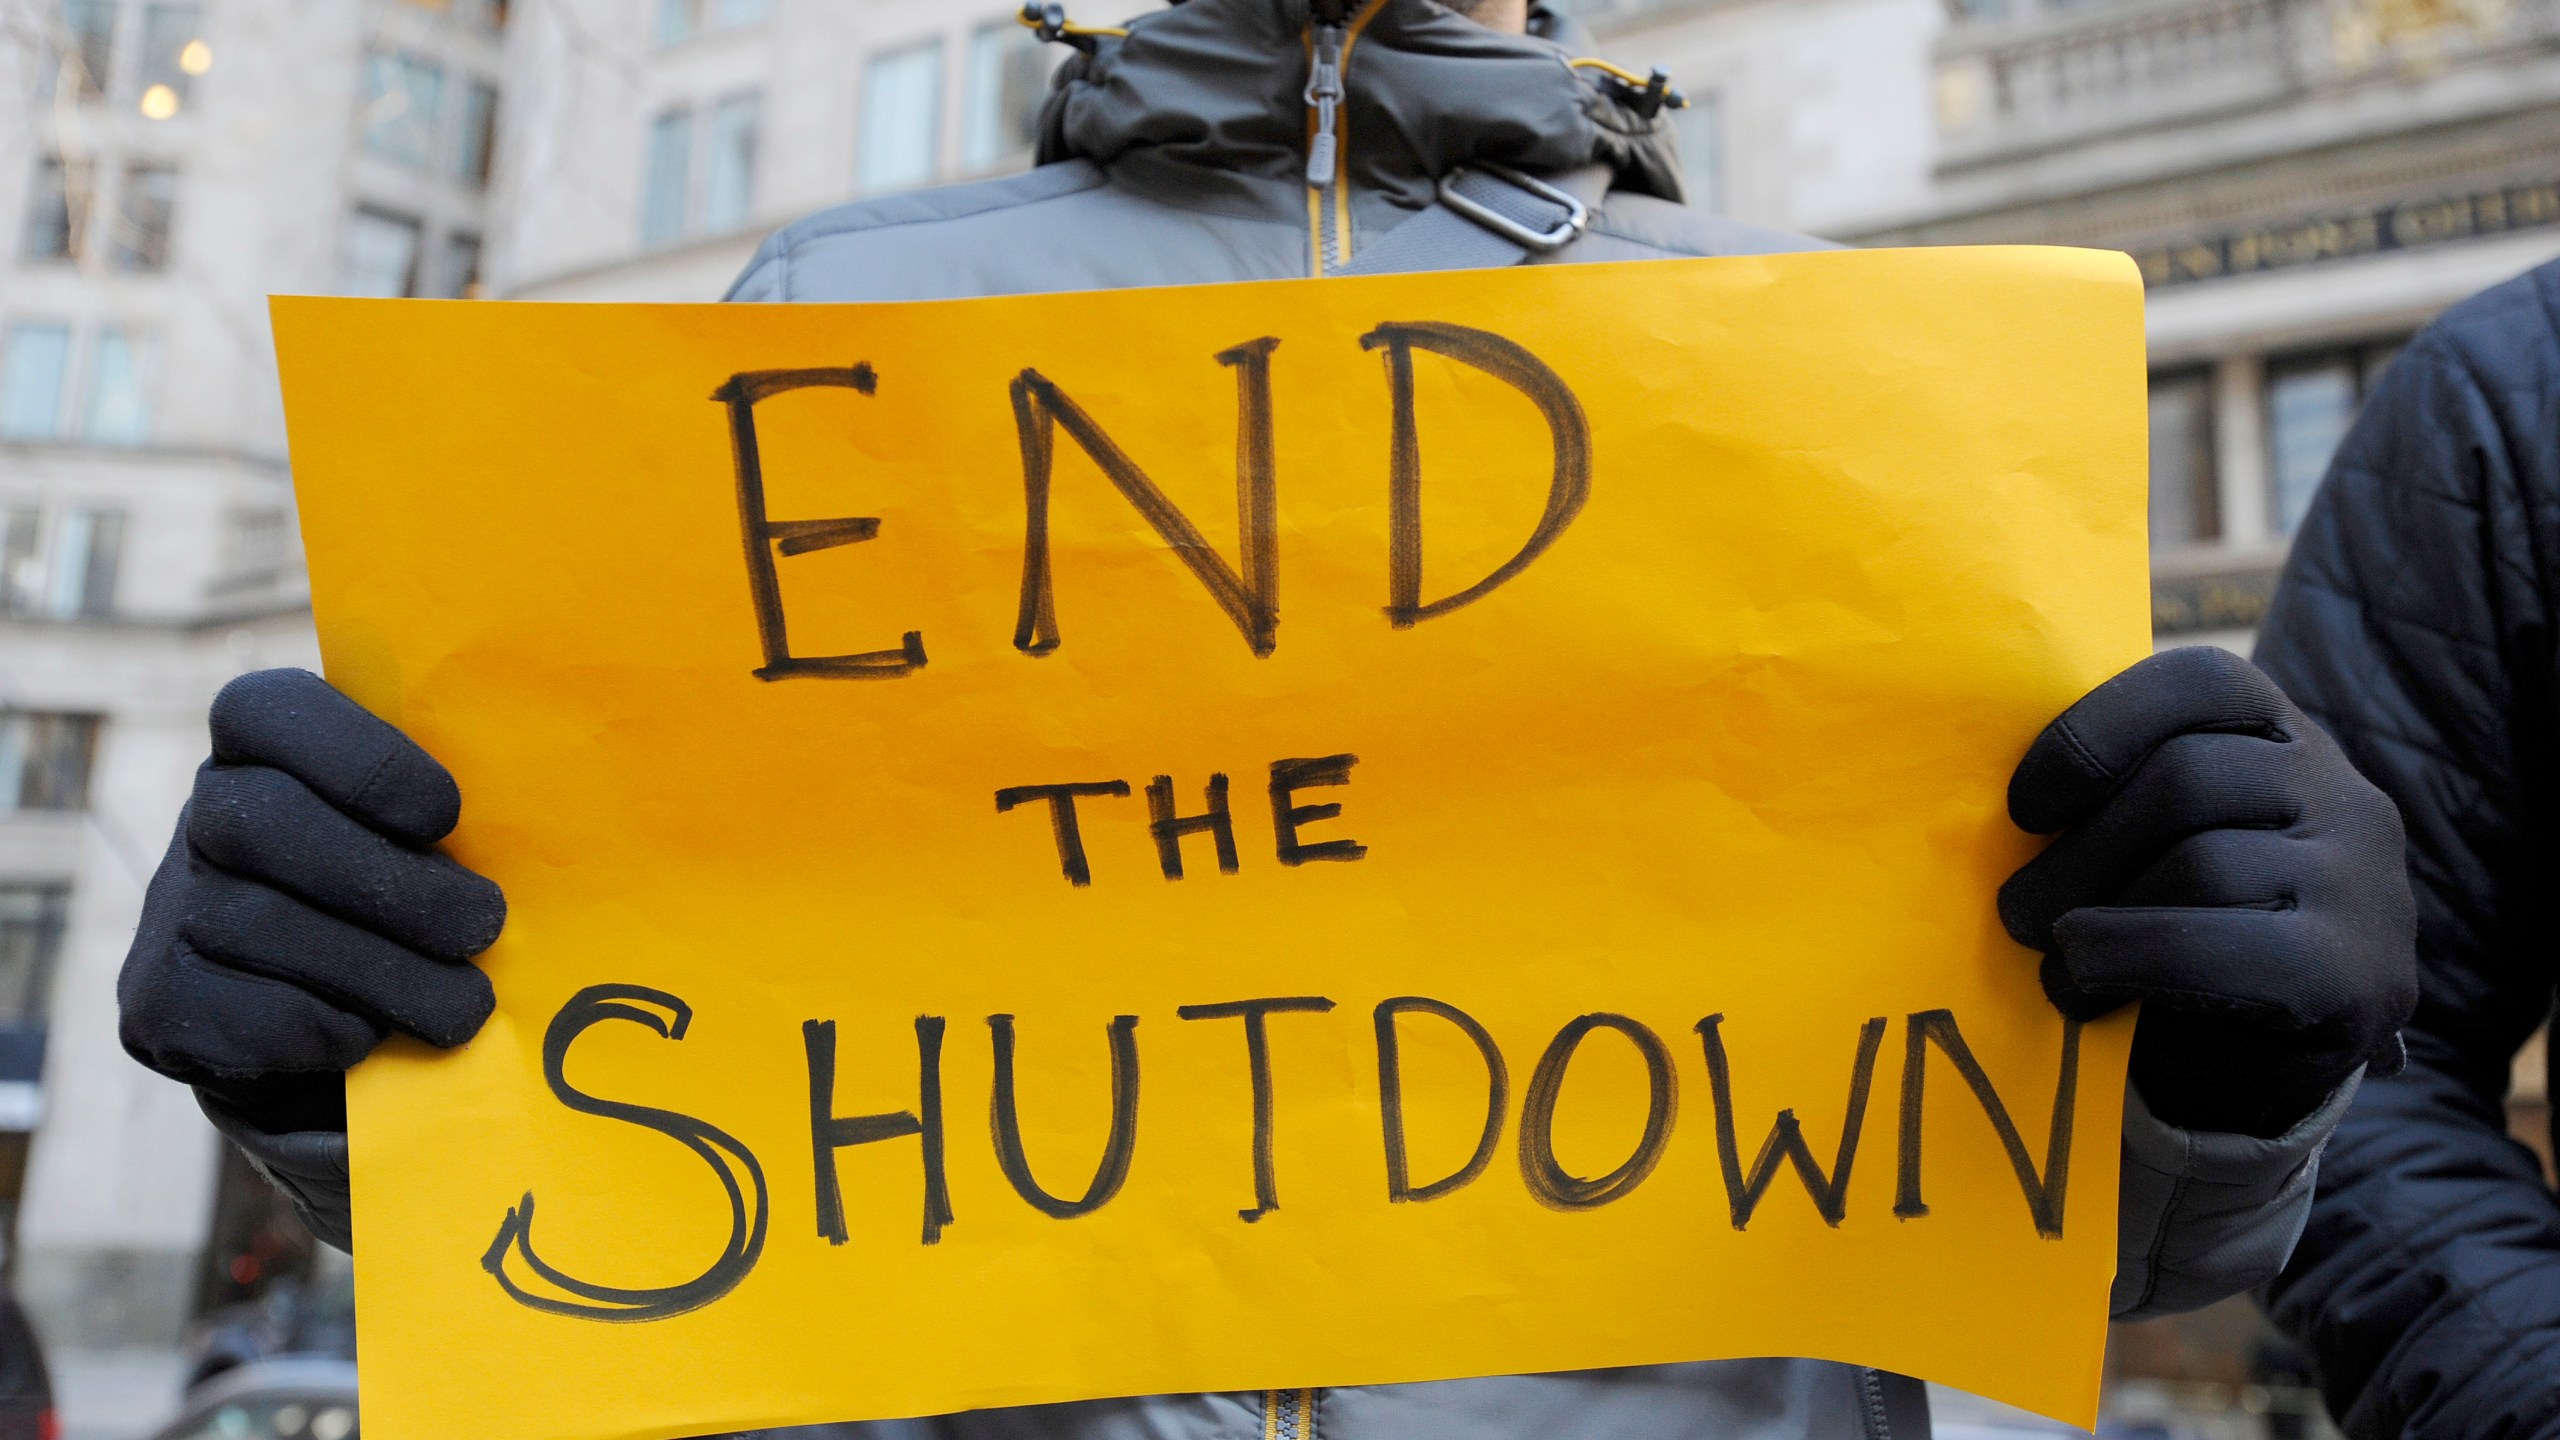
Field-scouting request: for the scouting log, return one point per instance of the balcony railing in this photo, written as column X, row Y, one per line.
column 2022, row 77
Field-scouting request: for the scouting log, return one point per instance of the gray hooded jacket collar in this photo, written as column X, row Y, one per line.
column 1207, row 101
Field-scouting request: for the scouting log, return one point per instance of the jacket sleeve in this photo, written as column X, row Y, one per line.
column 2202, row 1217
column 309, row 1166
column 2414, row 623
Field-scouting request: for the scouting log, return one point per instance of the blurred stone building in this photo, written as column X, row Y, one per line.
column 164, row 166
column 653, row 145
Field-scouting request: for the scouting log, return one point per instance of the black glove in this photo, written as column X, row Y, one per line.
column 299, row 915
column 2222, row 863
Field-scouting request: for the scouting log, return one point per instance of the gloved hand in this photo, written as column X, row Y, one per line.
column 300, row 915
column 2221, row 862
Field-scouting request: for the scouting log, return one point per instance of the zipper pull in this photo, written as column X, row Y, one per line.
column 1324, row 93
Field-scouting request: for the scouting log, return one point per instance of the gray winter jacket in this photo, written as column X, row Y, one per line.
column 1178, row 153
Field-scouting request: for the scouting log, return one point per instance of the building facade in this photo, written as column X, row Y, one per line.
column 2304, row 184
column 655, row 144
column 166, row 165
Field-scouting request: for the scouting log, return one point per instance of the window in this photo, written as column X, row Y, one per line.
column 76, row 580
column 45, row 760
column 1699, row 127
column 459, row 276
column 120, row 366
column 2311, row 400
column 80, row 583
column 1008, row 81
column 382, row 255
column 21, row 571
column 57, row 212
column 33, row 364
column 663, row 208
column 143, row 212
column 901, row 103
column 44, row 763
column 169, row 32
column 403, row 104
column 729, row 173
column 31, row 925
column 2185, row 507
column 681, row 19
column 479, row 132
column 88, row 46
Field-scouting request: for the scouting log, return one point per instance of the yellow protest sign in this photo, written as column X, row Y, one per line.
column 1307, row 833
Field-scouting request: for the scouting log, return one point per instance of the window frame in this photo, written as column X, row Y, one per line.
column 141, row 357
column 2204, row 506
column 928, row 48
column 46, row 930
column 64, row 376
column 382, row 65
column 2361, row 363
column 126, row 239
column 78, row 201
column 712, row 213
column 417, row 228
column 666, row 190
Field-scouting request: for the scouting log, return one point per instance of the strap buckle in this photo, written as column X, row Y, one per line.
column 1562, row 233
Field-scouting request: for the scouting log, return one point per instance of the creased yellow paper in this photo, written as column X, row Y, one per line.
column 1608, row 675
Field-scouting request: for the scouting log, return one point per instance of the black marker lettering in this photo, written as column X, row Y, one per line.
column 1251, row 600
column 1062, row 819
column 1497, row 1086
column 1786, row 1138
column 1548, row 1181
column 1505, row 361
column 797, row 537
column 1257, row 1055
column 1169, row 828
column 1005, row 1121
column 830, row 1132
column 588, row 1008
column 2045, row 1193
column 1289, row 776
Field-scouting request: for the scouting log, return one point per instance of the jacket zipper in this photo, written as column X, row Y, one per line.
column 1289, row 1415
column 1329, row 46
column 1879, row 1416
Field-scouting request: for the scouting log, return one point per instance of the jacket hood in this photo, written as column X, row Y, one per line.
column 1210, row 97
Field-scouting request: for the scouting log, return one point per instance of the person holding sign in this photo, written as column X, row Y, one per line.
column 2218, row 860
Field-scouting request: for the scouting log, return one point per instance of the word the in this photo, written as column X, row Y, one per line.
column 1288, row 777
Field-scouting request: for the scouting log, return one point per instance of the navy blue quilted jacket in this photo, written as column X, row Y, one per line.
column 2419, row 620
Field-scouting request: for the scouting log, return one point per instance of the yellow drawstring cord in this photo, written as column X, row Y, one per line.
column 1051, row 21
column 1656, row 83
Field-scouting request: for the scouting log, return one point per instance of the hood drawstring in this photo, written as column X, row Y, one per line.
column 1646, row 95
column 1050, row 22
